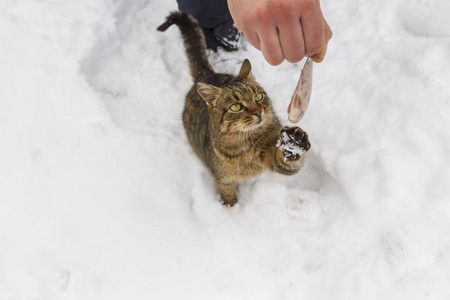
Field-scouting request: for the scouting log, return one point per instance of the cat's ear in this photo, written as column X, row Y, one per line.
column 246, row 70
column 208, row 92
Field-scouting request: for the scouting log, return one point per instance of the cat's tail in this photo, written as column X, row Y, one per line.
column 194, row 43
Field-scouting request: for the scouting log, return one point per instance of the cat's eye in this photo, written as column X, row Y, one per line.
column 258, row 97
column 236, row 107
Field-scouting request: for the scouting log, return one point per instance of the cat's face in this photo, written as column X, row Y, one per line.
column 241, row 106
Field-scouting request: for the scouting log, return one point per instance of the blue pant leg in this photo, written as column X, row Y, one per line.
column 209, row 13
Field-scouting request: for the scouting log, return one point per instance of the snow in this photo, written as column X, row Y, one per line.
column 102, row 198
column 288, row 147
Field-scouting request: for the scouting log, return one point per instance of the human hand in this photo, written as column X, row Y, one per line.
column 283, row 29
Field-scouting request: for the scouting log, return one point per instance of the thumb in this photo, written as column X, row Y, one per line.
column 319, row 57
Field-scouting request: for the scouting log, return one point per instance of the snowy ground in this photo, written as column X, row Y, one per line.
column 102, row 198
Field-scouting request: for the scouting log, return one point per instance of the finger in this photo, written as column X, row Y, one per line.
column 253, row 39
column 327, row 30
column 319, row 57
column 291, row 40
column 313, row 30
column 270, row 46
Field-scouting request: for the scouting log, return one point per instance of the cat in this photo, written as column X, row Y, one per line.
column 229, row 120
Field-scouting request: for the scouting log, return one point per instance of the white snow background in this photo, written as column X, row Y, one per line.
column 101, row 196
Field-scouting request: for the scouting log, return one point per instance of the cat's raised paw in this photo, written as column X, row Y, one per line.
column 293, row 143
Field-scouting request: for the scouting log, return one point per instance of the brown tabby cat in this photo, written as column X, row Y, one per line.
column 229, row 120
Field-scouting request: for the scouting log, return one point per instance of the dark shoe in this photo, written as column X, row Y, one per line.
column 211, row 41
column 225, row 36
column 228, row 35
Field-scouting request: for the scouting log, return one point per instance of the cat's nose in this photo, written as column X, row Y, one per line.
column 257, row 112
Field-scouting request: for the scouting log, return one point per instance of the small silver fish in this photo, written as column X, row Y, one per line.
column 302, row 94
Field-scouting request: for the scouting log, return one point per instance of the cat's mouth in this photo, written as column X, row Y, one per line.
column 260, row 118
column 258, row 121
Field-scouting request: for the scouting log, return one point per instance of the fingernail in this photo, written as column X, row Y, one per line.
column 319, row 57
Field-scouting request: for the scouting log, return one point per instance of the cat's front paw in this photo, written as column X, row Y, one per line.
column 293, row 143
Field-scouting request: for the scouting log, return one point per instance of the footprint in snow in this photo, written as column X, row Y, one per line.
column 303, row 205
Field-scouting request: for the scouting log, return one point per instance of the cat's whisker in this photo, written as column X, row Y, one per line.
column 249, row 133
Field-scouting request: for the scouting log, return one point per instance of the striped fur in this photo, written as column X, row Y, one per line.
column 194, row 42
